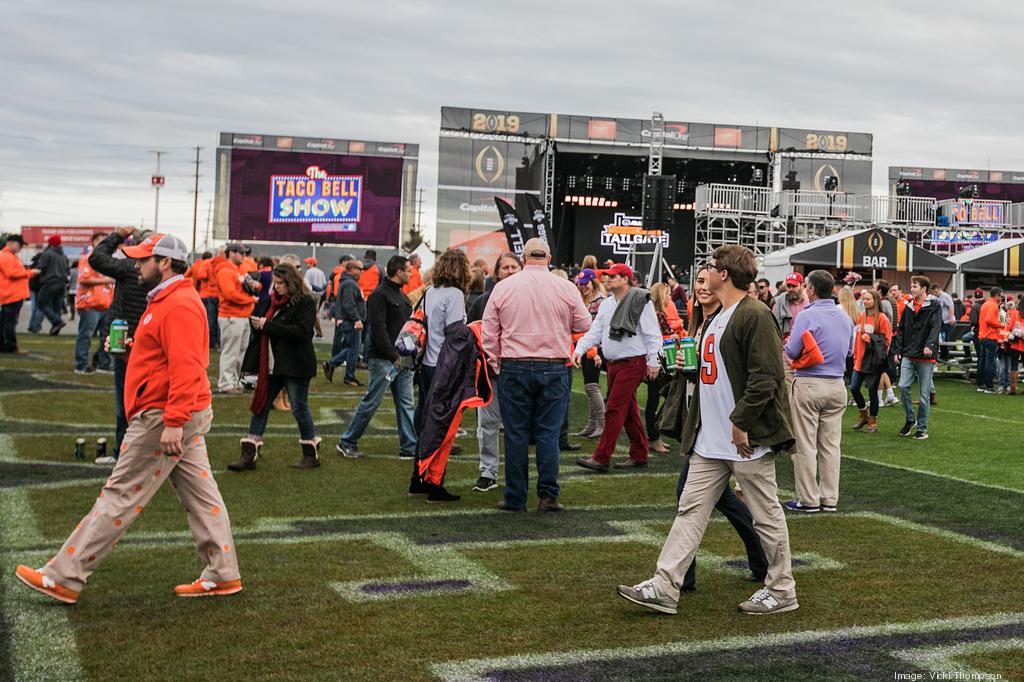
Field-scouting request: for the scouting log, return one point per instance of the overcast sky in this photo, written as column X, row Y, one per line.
column 90, row 87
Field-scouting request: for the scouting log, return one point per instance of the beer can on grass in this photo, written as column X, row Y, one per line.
column 118, row 337
column 79, row 448
column 688, row 347
column 101, row 447
column 670, row 348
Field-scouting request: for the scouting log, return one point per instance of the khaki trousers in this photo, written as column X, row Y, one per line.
column 140, row 471
column 704, row 485
column 234, row 339
column 818, row 407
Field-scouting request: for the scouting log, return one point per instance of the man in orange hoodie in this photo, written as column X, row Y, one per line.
column 168, row 403
column 988, row 333
column 206, row 277
column 234, row 307
column 14, row 277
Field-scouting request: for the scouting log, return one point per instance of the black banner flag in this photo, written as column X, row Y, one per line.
column 538, row 217
column 515, row 232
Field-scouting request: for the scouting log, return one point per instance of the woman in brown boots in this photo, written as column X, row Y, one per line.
column 281, row 353
column 869, row 358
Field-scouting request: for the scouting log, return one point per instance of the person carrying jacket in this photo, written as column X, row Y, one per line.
column 53, row 282
column 128, row 303
column 282, row 327
column 916, row 347
column 737, row 424
column 93, row 296
column 234, row 306
column 14, row 280
column 169, row 409
column 349, row 314
column 387, row 310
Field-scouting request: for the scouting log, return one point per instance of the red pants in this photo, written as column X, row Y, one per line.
column 624, row 377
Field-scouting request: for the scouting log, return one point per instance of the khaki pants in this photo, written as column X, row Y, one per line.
column 704, row 485
column 234, row 339
column 139, row 473
column 316, row 318
column 818, row 407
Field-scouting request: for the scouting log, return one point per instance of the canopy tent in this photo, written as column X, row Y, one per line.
column 999, row 263
column 868, row 251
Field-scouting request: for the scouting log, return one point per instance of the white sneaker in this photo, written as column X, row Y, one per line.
column 763, row 602
column 649, row 595
column 105, row 460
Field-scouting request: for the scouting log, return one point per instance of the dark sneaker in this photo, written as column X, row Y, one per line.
column 483, row 484
column 348, row 451
column 921, row 435
column 87, row 370
column 504, row 505
column 569, row 447
column 328, row 371
column 55, row 329
column 794, row 505
column 549, row 504
column 406, row 456
column 418, row 487
column 437, row 493
column 763, row 603
column 907, row 429
column 649, row 595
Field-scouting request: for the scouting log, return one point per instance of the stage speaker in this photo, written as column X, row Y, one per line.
column 659, row 195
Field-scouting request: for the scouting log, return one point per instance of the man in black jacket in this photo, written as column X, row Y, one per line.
column 53, row 284
column 387, row 310
column 917, row 344
column 349, row 313
column 128, row 305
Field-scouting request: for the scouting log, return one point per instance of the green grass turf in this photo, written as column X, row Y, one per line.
column 290, row 624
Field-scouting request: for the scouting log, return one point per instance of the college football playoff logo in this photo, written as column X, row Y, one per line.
column 489, row 164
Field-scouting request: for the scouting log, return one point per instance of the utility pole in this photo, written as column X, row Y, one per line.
column 419, row 209
column 157, row 182
column 195, row 202
column 209, row 218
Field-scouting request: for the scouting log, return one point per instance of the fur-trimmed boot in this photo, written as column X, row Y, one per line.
column 310, row 454
column 250, row 453
column 595, row 406
column 862, row 420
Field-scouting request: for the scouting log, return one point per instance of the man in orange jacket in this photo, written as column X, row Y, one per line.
column 93, row 296
column 14, row 277
column 416, row 280
column 167, row 400
column 234, row 307
column 988, row 333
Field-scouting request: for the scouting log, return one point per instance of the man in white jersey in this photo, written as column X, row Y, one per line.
column 737, row 423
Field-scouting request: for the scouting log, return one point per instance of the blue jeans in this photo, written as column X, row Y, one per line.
column 987, row 363
column 944, row 333
column 533, row 397
column 88, row 322
column 120, row 367
column 212, row 305
column 345, row 348
column 298, row 394
column 401, row 392
column 48, row 305
column 922, row 371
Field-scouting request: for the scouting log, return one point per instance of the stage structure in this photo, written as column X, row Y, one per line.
column 273, row 188
column 589, row 174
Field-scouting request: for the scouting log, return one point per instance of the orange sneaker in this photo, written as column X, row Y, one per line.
column 40, row 583
column 208, row 588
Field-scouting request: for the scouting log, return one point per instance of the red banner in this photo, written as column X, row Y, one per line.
column 69, row 235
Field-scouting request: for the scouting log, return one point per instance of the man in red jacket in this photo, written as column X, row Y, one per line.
column 167, row 401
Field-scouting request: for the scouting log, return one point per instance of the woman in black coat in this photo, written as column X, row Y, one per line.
column 281, row 354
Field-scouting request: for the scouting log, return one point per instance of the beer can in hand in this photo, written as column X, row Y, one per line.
column 118, row 337
column 688, row 347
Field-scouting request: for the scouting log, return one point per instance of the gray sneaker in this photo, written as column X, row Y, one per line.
column 349, row 452
column 763, row 602
column 648, row 594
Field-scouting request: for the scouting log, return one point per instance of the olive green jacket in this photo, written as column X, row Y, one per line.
column 752, row 350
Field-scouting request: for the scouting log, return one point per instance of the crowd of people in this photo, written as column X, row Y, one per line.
column 773, row 364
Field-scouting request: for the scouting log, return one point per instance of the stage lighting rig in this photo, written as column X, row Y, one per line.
column 903, row 188
column 969, row 192
column 831, row 183
column 790, row 183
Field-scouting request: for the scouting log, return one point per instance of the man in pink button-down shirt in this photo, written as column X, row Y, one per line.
column 527, row 332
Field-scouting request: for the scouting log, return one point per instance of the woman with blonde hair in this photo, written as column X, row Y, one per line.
column 593, row 294
column 869, row 325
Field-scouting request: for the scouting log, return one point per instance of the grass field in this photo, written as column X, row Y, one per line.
column 348, row 578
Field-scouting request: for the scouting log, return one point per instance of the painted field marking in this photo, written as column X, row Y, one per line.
column 898, row 467
column 978, row 416
column 478, row 670
column 942, row 659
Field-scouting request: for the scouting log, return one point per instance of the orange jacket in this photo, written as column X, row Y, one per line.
column 415, row 281
column 207, row 277
column 881, row 324
column 369, row 280
column 988, row 320
column 674, row 321
column 234, row 302
column 14, row 277
column 170, row 354
column 92, row 296
column 248, row 265
column 1013, row 319
column 335, row 279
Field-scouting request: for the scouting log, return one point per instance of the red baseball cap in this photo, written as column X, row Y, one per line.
column 620, row 269
column 310, row 261
column 794, row 278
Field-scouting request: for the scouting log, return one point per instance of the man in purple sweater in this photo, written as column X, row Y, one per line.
column 818, row 397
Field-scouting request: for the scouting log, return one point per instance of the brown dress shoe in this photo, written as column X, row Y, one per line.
column 549, row 504
column 630, row 464
column 592, row 464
